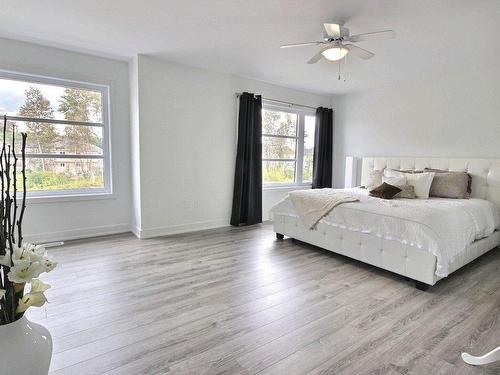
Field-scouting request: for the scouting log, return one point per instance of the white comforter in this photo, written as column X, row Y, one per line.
column 444, row 227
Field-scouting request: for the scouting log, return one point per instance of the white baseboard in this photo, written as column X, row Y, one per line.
column 177, row 229
column 123, row 228
column 136, row 231
column 74, row 234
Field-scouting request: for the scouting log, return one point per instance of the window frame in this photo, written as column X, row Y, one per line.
column 107, row 189
column 301, row 113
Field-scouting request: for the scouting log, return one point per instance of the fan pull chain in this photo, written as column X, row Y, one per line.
column 345, row 68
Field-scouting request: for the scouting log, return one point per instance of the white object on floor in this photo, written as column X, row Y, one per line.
column 52, row 244
column 490, row 357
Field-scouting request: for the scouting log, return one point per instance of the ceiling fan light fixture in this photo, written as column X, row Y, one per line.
column 335, row 53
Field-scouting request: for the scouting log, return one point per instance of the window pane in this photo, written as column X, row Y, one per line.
column 278, row 172
column 46, row 138
column 278, row 148
column 309, row 128
column 62, row 174
column 28, row 99
column 279, row 123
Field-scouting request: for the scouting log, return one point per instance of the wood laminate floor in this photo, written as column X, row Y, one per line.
column 236, row 301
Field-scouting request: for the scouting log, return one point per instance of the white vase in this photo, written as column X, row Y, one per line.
column 25, row 348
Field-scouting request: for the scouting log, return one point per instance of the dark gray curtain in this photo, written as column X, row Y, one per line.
column 323, row 149
column 247, row 196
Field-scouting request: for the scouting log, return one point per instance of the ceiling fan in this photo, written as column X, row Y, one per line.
column 334, row 43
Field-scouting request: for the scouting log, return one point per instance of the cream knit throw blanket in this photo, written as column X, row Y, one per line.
column 312, row 205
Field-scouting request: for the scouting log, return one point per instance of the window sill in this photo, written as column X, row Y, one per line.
column 69, row 198
column 287, row 187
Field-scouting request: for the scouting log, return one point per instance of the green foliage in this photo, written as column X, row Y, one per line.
column 285, row 124
column 81, row 105
column 278, row 172
column 36, row 105
column 308, row 167
column 47, row 180
column 279, row 123
column 41, row 136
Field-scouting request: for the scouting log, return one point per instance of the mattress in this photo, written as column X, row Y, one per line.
column 443, row 227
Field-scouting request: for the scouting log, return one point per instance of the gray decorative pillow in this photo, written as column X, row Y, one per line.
column 469, row 183
column 450, row 185
column 408, row 191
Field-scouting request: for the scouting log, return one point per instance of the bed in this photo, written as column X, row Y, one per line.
column 421, row 239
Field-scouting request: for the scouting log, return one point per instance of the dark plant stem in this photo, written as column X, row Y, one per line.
column 23, row 202
column 10, row 223
column 2, row 164
column 14, row 187
column 8, row 200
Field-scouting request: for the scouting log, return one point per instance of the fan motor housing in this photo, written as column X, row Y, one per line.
column 344, row 31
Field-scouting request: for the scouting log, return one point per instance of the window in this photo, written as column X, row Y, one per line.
column 287, row 145
column 67, row 149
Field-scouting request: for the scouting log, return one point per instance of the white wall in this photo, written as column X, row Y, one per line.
column 135, row 160
column 454, row 116
column 74, row 219
column 187, row 144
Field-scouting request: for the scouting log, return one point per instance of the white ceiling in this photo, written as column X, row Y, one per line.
column 242, row 37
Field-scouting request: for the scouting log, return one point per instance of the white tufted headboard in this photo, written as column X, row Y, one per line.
column 485, row 172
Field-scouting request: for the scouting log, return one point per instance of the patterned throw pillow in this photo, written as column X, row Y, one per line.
column 384, row 191
column 408, row 192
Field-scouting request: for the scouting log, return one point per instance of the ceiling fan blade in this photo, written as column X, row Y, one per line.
column 359, row 52
column 376, row 35
column 317, row 57
column 301, row 44
column 333, row 30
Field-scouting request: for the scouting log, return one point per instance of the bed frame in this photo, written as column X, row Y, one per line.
column 394, row 256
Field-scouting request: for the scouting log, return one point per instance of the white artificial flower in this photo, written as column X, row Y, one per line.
column 5, row 260
column 29, row 261
column 2, row 293
column 48, row 264
column 25, row 271
column 38, row 286
column 19, row 256
column 37, row 252
column 35, row 297
column 31, row 299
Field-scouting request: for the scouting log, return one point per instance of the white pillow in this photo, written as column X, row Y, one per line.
column 421, row 182
column 374, row 178
column 393, row 173
column 395, row 181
